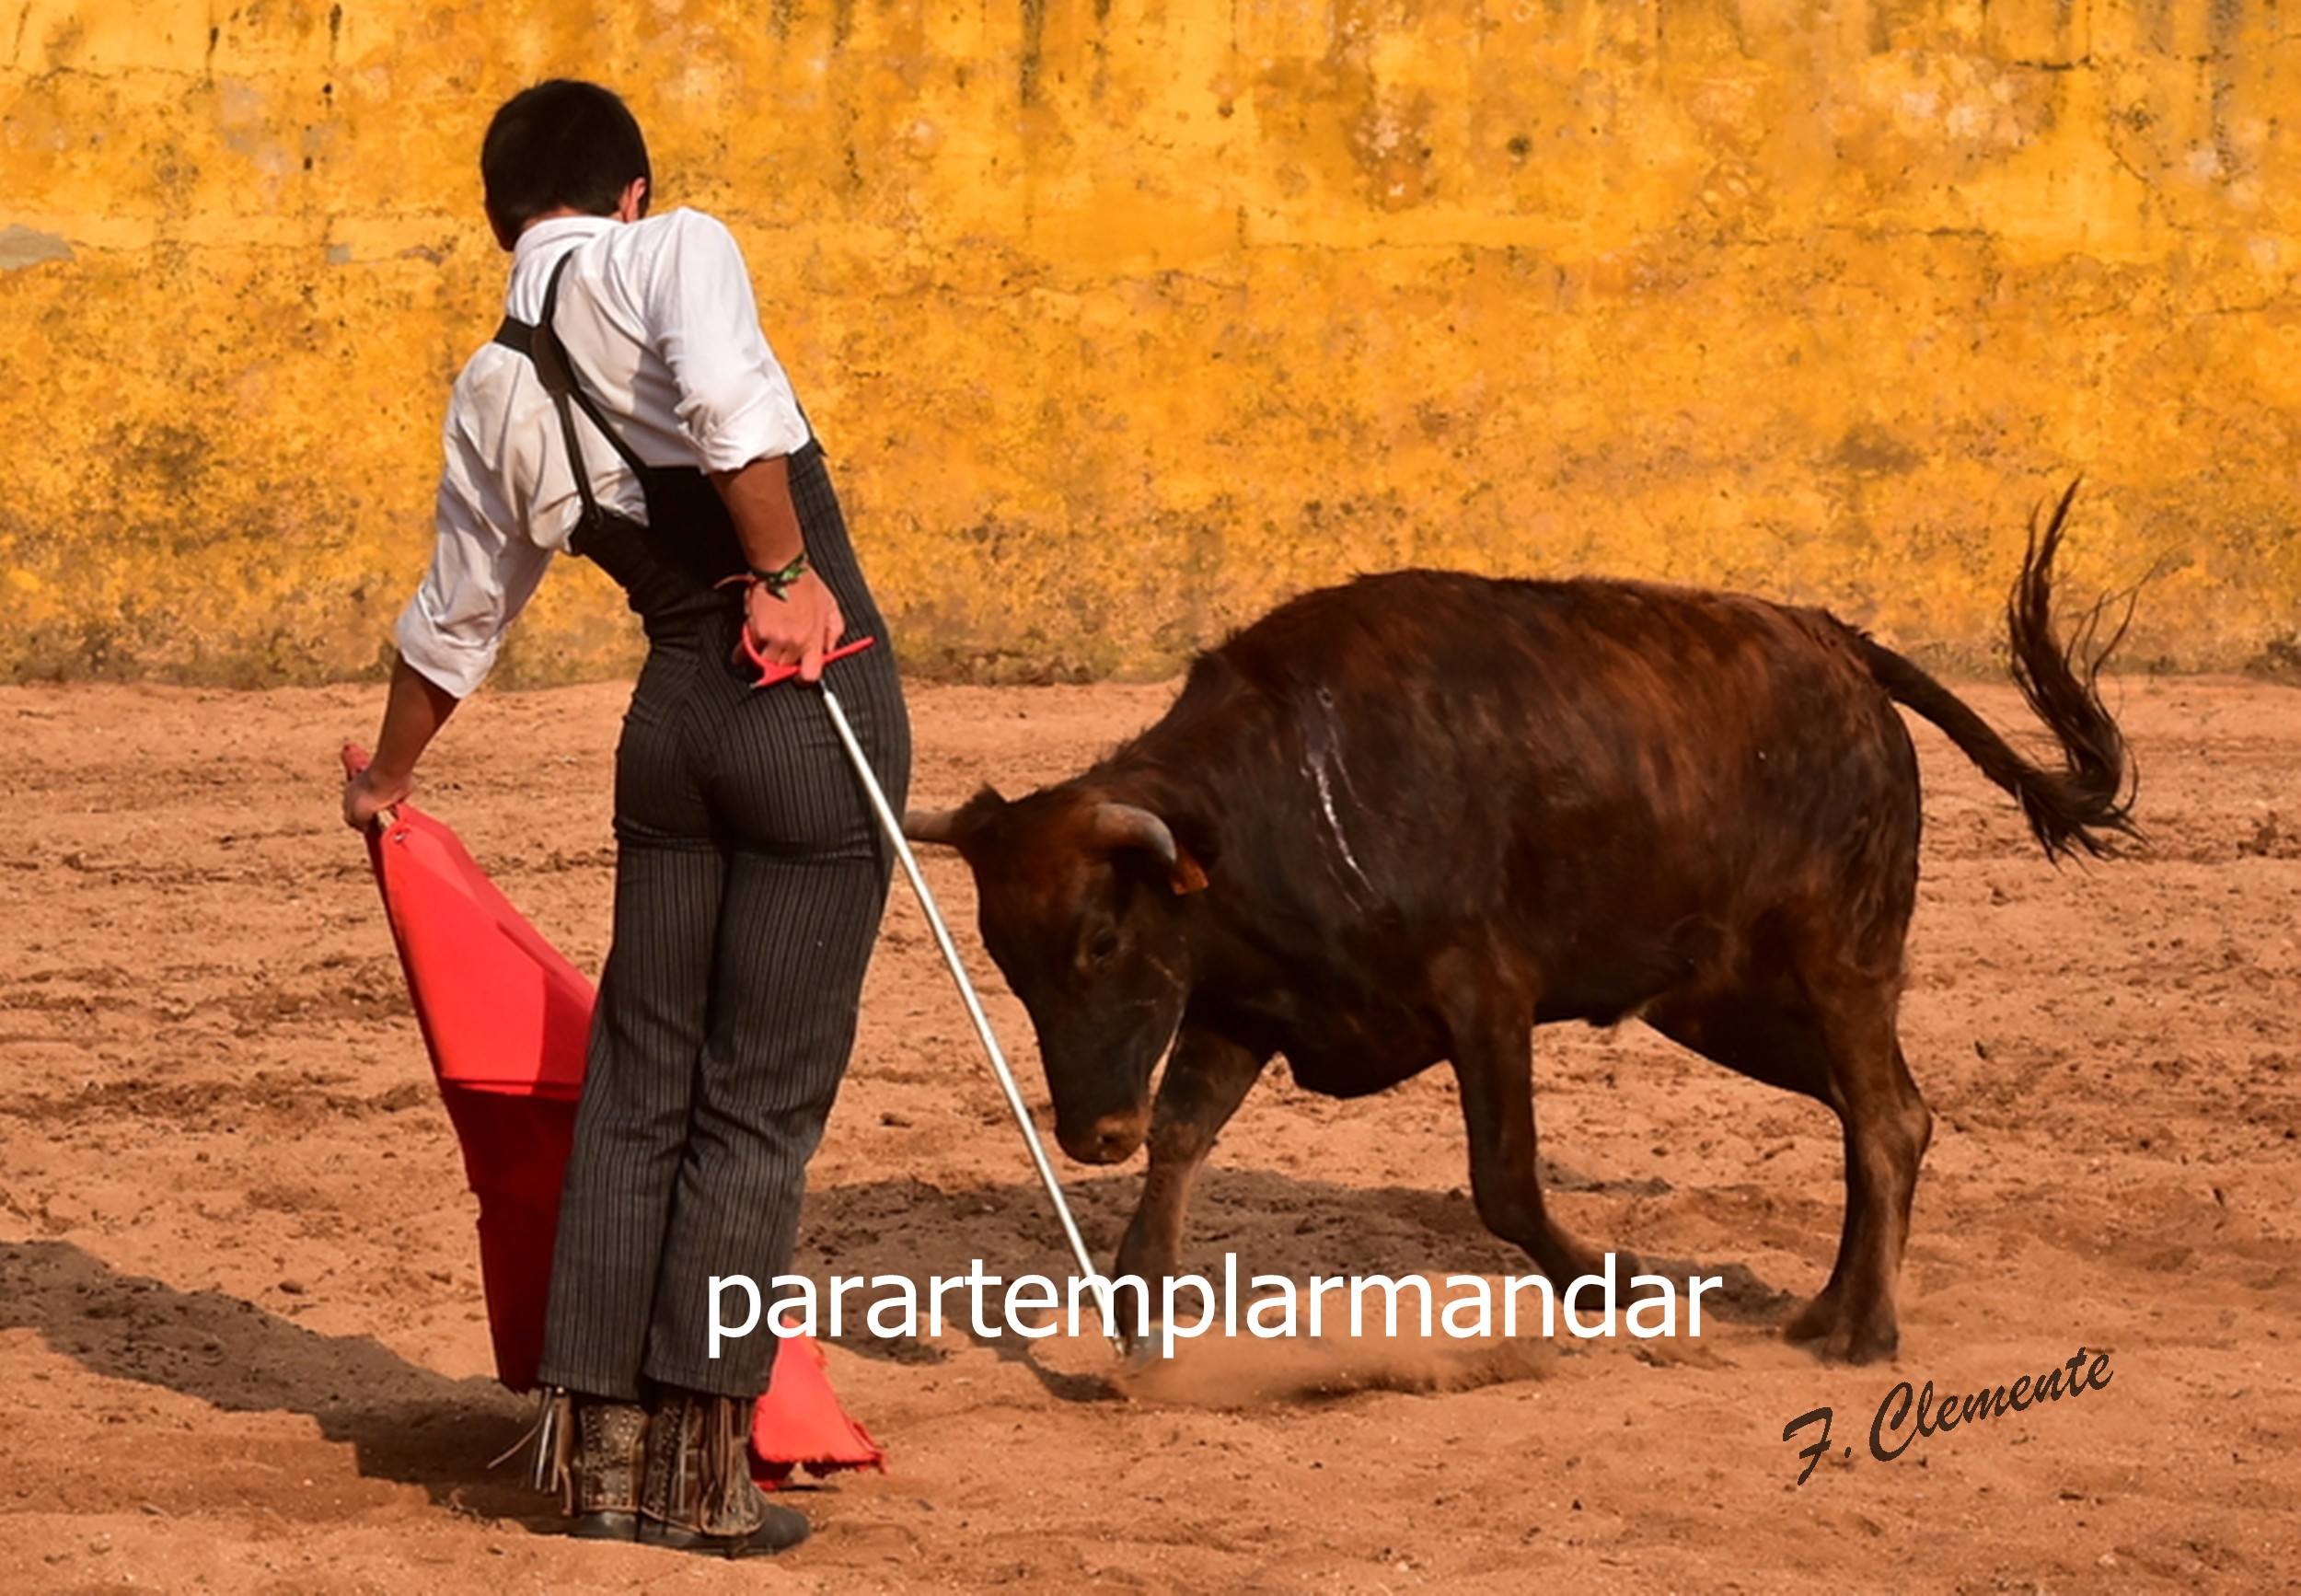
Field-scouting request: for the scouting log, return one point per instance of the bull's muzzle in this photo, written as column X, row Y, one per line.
column 1110, row 1139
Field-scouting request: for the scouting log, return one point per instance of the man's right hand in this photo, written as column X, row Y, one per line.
column 797, row 628
column 414, row 710
column 366, row 795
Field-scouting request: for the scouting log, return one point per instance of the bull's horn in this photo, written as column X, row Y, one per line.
column 932, row 826
column 1125, row 825
column 952, row 827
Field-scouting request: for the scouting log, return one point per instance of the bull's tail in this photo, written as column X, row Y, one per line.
column 2089, row 800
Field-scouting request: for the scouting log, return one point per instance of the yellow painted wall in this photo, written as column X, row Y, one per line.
column 1123, row 318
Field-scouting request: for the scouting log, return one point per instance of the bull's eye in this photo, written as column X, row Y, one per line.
column 1102, row 948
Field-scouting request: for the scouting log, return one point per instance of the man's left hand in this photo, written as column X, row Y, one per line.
column 797, row 628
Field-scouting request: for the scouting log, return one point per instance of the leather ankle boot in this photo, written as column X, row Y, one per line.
column 698, row 1495
column 593, row 1454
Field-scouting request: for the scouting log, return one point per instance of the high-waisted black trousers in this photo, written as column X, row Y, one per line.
column 750, row 877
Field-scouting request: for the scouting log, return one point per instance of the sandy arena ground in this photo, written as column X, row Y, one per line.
column 239, row 1291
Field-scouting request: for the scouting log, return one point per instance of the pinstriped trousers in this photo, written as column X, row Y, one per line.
column 750, row 878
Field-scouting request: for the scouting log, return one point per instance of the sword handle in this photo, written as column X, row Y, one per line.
column 772, row 674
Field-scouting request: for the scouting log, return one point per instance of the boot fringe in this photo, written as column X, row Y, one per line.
column 729, row 1497
column 550, row 1444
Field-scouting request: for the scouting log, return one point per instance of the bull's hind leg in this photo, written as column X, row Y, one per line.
column 1836, row 1045
column 1494, row 1068
column 1887, row 1128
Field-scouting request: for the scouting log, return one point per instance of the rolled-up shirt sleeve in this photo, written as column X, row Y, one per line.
column 735, row 404
column 482, row 575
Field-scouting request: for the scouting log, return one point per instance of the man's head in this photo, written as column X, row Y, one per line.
column 561, row 145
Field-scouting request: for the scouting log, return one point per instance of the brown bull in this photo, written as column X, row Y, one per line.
column 1409, row 819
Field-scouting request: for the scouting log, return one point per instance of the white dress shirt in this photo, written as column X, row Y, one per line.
column 658, row 317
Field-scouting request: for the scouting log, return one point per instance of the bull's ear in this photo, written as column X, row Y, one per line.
column 951, row 827
column 1118, row 826
column 1186, row 874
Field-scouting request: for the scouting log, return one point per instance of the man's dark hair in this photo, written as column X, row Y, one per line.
column 560, row 143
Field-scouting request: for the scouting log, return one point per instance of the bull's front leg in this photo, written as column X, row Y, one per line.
column 1206, row 1078
column 1493, row 1030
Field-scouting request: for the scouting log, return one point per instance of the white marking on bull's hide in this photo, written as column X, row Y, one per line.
column 1333, row 821
column 1321, row 747
column 1165, row 1055
column 1175, row 1029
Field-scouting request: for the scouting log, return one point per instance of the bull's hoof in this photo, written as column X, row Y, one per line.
column 1814, row 1321
column 1843, row 1335
column 1565, row 1261
column 1144, row 1352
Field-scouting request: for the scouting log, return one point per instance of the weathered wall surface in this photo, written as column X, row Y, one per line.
column 1124, row 318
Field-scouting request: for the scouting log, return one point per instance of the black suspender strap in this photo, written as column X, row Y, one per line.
column 540, row 343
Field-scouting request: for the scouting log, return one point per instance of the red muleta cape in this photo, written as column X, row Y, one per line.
column 507, row 1019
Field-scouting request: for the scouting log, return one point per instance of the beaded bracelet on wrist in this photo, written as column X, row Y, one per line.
column 777, row 583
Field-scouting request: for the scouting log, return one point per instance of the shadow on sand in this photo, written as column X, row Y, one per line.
column 404, row 1423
